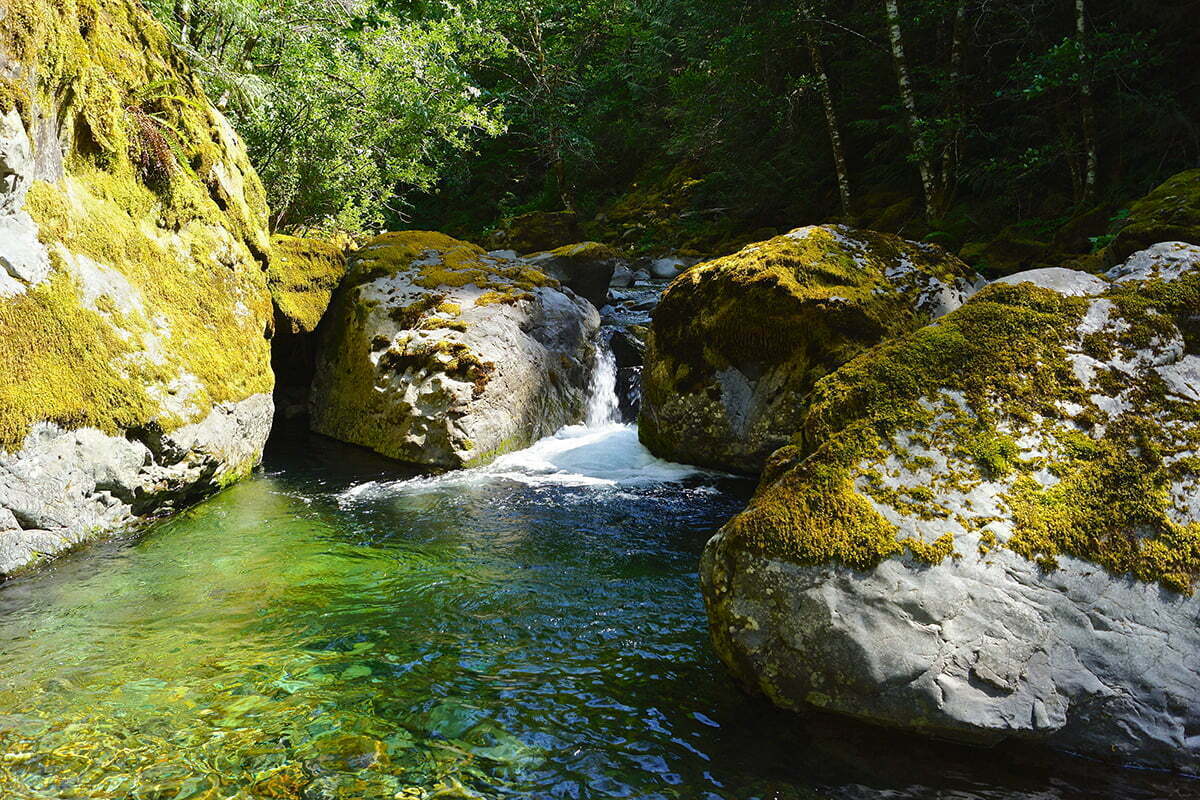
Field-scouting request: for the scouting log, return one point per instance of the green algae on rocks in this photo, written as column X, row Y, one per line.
column 437, row 353
column 738, row 343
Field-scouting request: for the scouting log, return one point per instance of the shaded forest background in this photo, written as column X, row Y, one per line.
column 701, row 124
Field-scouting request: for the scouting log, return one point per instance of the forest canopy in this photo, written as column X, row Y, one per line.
column 738, row 113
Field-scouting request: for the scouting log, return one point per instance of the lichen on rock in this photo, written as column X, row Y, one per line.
column 1001, row 500
column 437, row 353
column 737, row 343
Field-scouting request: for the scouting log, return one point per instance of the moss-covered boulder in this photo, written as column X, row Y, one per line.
column 302, row 276
column 990, row 528
column 436, row 353
column 539, row 231
column 134, row 312
column 586, row 268
column 1171, row 212
column 737, row 343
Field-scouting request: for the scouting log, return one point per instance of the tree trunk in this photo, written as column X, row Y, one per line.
column 183, row 15
column 559, row 166
column 1086, row 107
column 919, row 144
column 831, row 120
column 950, row 156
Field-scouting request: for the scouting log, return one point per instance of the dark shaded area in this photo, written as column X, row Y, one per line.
column 699, row 124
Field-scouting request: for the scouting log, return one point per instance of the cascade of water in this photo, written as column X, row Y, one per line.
column 602, row 407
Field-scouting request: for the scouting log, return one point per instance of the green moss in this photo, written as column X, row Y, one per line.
column 1002, row 358
column 931, row 553
column 994, row 453
column 302, row 276
column 454, row 359
column 63, row 373
column 587, row 251
column 542, row 230
column 800, row 306
column 1171, row 212
column 185, row 246
column 434, row 260
column 1110, row 508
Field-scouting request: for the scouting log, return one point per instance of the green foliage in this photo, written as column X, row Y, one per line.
column 456, row 115
column 344, row 106
column 605, row 98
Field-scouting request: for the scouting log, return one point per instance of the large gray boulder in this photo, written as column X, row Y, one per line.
column 586, row 268
column 737, row 343
column 134, row 312
column 989, row 529
column 439, row 354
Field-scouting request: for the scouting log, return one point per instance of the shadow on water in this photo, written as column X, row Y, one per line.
column 338, row 628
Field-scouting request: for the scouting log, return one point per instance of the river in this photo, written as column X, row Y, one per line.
column 337, row 627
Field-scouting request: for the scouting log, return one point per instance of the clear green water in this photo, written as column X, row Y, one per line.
column 459, row 639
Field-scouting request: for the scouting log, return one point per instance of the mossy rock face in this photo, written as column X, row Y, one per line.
column 737, row 344
column 988, row 528
column 1171, row 212
column 133, row 302
column 302, row 276
column 539, row 231
column 586, row 268
column 439, row 354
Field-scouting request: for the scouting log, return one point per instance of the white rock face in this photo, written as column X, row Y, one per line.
column 989, row 645
column 23, row 259
column 1070, row 282
column 452, row 376
column 63, row 487
column 983, row 648
column 1166, row 261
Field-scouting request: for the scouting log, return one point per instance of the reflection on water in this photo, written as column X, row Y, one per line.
column 335, row 629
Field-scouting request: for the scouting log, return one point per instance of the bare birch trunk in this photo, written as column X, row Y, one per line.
column 831, row 120
column 907, row 99
column 1086, row 107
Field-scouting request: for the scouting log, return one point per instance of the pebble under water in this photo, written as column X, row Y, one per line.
column 334, row 628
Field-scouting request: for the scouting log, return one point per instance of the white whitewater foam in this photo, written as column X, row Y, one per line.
column 603, row 408
column 603, row 453
column 603, row 457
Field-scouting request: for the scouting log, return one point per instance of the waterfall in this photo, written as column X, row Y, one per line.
column 602, row 406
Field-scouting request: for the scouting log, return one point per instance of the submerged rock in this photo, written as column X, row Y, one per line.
column 134, row 311
column 586, row 268
column 989, row 528
column 437, row 353
column 737, row 343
